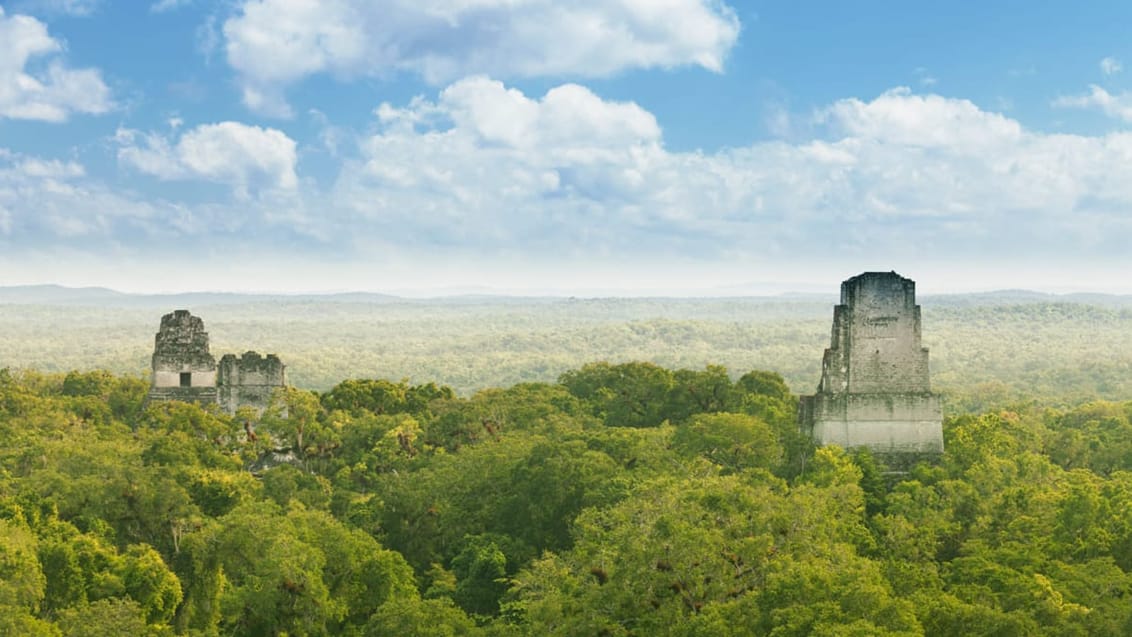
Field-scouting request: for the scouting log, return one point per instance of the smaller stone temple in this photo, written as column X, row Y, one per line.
column 184, row 369
column 875, row 390
column 249, row 380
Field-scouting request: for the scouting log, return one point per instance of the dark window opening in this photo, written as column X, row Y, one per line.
column 186, row 379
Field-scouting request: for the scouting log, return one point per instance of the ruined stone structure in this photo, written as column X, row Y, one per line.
column 249, row 380
column 185, row 370
column 874, row 390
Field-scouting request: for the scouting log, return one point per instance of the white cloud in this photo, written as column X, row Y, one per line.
column 49, row 200
column 273, row 43
column 484, row 160
column 487, row 168
column 52, row 94
column 231, row 153
column 50, row 169
column 901, row 118
column 51, row 207
column 1115, row 106
column 1111, row 66
column 162, row 6
column 64, row 7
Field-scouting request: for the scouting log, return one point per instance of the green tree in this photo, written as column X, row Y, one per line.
column 359, row 573
column 658, row 559
column 274, row 581
column 22, row 582
column 732, row 441
column 150, row 583
column 295, row 418
column 624, row 395
column 107, row 618
column 413, row 617
column 549, row 487
column 481, row 576
column 19, row 621
column 368, row 395
column 696, row 392
column 217, row 491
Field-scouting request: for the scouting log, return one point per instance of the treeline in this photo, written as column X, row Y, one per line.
column 623, row 499
column 984, row 355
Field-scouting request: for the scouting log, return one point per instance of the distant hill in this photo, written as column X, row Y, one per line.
column 105, row 297
column 1024, row 297
column 56, row 295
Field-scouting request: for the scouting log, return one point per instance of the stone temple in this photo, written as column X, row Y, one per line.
column 184, row 369
column 875, row 391
column 249, row 380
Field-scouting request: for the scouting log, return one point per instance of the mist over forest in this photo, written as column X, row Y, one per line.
column 994, row 346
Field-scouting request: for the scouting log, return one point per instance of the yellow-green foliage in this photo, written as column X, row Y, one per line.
column 625, row 499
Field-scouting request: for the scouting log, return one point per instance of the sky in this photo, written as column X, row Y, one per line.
column 590, row 147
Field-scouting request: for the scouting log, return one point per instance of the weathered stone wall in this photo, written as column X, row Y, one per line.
column 875, row 346
column 891, row 423
column 875, row 389
column 199, row 395
column 249, row 380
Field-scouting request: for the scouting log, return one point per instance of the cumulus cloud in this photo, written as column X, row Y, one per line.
column 53, row 198
column 232, row 153
column 51, row 94
column 1111, row 66
column 1115, row 106
column 273, row 43
column 901, row 118
column 485, row 161
column 570, row 173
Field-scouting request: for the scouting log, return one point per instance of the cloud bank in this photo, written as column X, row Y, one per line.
column 484, row 174
column 898, row 174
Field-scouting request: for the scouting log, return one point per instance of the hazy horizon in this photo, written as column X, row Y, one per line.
column 722, row 290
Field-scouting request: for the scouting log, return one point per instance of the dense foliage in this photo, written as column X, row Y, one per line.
column 623, row 499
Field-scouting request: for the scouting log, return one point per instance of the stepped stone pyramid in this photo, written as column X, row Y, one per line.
column 875, row 390
column 183, row 368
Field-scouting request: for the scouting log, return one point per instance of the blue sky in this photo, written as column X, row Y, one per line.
column 589, row 147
